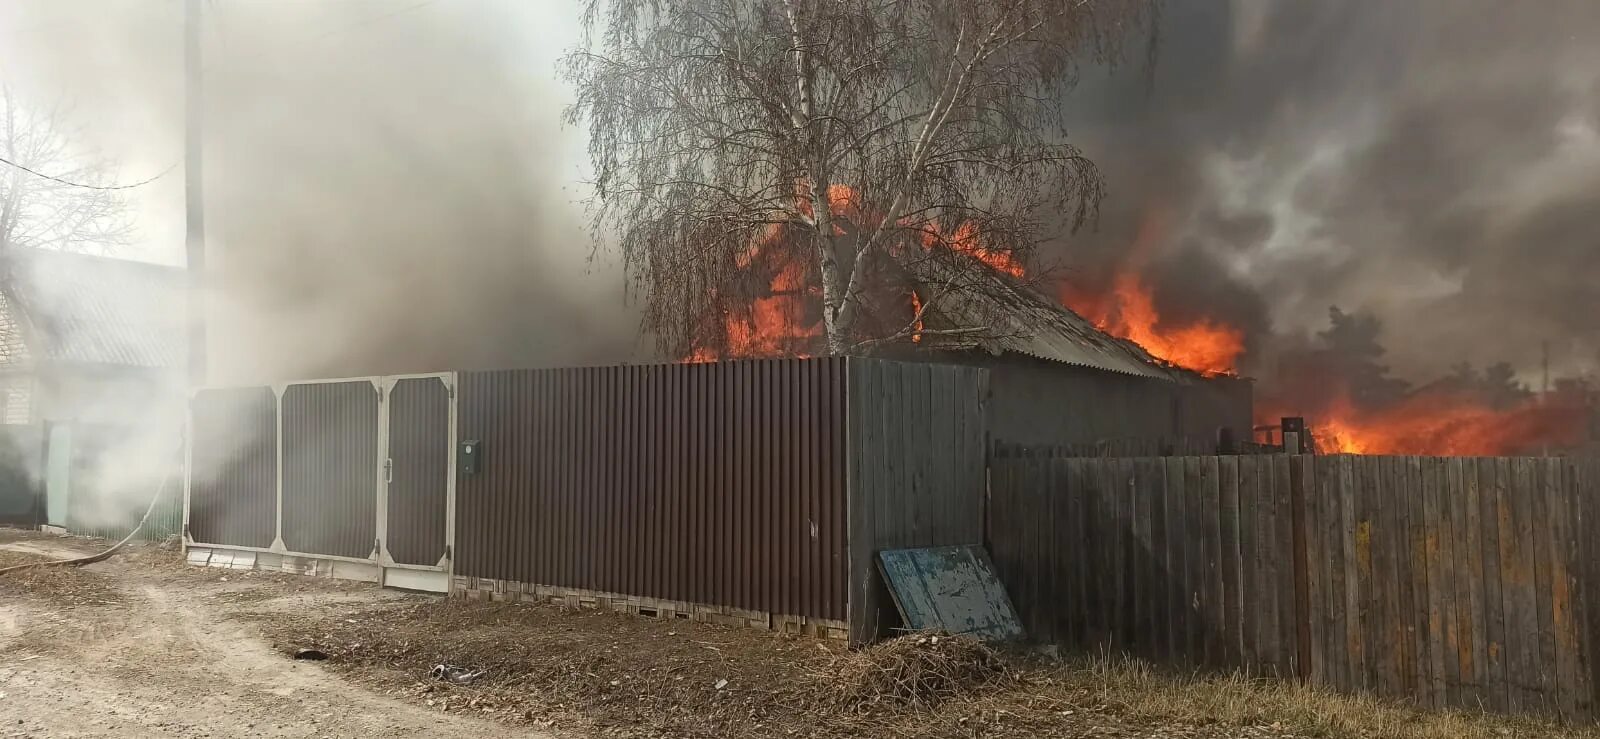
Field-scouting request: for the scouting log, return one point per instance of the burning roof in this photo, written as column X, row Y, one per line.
column 1016, row 318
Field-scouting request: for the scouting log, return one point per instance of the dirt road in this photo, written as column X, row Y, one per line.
column 162, row 657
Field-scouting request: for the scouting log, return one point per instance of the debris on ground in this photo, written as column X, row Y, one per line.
column 918, row 671
column 457, row 675
column 316, row 655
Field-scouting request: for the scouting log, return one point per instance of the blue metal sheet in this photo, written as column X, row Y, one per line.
column 950, row 589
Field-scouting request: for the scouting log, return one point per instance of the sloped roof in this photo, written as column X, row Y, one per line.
column 1018, row 319
column 97, row 310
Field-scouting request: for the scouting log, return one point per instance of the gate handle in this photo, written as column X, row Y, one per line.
column 388, row 471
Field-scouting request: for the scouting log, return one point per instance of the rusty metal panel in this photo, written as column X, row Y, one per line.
column 720, row 484
column 233, row 479
column 419, row 473
column 330, row 468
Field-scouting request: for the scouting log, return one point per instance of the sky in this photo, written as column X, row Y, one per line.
column 389, row 184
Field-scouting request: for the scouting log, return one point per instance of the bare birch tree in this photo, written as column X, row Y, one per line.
column 712, row 122
column 55, row 212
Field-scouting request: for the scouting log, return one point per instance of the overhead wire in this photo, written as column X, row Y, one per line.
column 85, row 185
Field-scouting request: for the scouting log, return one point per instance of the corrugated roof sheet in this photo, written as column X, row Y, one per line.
column 98, row 310
column 1020, row 319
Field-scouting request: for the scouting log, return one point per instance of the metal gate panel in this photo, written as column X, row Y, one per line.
column 330, row 468
column 417, row 471
column 233, row 467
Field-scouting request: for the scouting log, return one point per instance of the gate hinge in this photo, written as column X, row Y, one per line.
column 449, row 552
column 450, row 390
column 377, row 547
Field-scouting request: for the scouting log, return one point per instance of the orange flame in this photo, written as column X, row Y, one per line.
column 1447, row 424
column 1128, row 311
column 966, row 241
column 779, row 323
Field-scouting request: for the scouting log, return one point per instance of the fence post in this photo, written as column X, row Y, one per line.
column 1302, row 568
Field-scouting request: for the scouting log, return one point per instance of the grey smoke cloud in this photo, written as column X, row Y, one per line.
column 388, row 185
column 1432, row 161
column 391, row 190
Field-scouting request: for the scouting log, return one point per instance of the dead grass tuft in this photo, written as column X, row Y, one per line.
column 919, row 671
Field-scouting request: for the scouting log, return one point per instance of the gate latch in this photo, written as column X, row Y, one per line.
column 388, row 471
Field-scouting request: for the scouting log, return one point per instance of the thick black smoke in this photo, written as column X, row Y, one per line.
column 1433, row 162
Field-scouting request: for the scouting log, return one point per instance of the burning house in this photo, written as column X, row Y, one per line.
column 1058, row 378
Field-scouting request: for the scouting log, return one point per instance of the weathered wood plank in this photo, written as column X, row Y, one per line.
column 1452, row 550
column 1120, row 487
column 1350, row 579
column 1440, row 587
column 1180, row 629
column 1098, row 523
column 1152, row 573
column 1493, row 476
column 1368, row 538
column 1516, row 550
column 1390, row 508
column 1082, row 519
column 1288, row 604
column 1562, row 567
column 1470, row 619
column 1544, row 479
column 1210, row 493
column 1269, row 556
column 1300, row 480
column 1322, row 672
column 1231, row 573
column 1160, row 563
column 1335, row 653
column 1202, row 520
column 1250, row 595
column 1416, row 596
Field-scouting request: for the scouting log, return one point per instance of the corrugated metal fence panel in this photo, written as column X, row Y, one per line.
column 917, row 471
column 330, row 468
column 21, row 475
column 419, row 482
column 233, row 485
column 720, row 484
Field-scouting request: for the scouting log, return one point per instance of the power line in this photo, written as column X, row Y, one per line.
column 87, row 186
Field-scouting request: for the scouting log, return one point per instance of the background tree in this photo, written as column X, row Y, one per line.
column 714, row 122
column 1352, row 351
column 67, row 210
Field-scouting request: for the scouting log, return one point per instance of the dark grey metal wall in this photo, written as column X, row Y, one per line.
column 233, row 478
column 419, row 480
column 917, row 472
column 1035, row 402
column 721, row 484
column 330, row 468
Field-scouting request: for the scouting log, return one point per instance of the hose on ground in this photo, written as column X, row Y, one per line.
column 93, row 558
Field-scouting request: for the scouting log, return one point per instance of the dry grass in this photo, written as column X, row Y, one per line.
column 58, row 585
column 919, row 672
column 624, row 676
column 1141, row 692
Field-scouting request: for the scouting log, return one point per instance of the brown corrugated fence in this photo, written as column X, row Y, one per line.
column 716, row 484
column 233, row 476
column 330, row 468
column 419, row 482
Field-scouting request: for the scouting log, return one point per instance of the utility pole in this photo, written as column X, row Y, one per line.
column 194, row 201
column 1545, row 348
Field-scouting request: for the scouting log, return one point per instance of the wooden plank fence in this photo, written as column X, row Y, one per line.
column 1449, row 581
